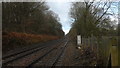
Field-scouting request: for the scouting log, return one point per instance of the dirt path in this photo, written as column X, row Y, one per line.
column 72, row 56
column 69, row 56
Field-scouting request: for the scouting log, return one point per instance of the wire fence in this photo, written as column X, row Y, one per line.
column 101, row 45
column 92, row 41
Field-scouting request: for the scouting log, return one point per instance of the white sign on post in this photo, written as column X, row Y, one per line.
column 79, row 39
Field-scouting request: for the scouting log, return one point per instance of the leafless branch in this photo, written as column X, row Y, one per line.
column 103, row 13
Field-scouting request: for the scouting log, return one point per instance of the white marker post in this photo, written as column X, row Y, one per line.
column 79, row 41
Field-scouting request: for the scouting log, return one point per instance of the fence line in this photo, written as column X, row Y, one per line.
column 92, row 41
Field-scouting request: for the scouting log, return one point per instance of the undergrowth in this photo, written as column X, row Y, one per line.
column 14, row 40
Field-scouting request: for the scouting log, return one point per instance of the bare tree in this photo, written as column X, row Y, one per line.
column 88, row 18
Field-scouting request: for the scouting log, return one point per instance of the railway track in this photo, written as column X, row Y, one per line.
column 27, row 49
column 52, row 58
column 37, row 53
column 14, row 56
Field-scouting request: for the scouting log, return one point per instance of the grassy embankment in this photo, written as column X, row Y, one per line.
column 14, row 40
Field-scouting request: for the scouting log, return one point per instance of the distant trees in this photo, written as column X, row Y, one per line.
column 30, row 17
column 91, row 19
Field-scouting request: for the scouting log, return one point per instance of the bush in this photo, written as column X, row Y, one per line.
column 88, row 57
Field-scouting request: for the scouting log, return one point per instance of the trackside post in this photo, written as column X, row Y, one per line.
column 79, row 40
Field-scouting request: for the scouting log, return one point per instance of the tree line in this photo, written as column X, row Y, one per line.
column 92, row 19
column 30, row 17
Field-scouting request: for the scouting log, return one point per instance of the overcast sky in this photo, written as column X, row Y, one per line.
column 62, row 8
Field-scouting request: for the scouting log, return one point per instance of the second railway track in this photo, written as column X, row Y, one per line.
column 35, row 56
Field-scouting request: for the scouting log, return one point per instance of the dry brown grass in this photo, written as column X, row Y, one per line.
column 14, row 39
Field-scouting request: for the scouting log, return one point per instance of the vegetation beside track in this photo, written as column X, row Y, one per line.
column 17, row 40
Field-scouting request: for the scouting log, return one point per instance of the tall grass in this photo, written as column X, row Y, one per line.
column 16, row 40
